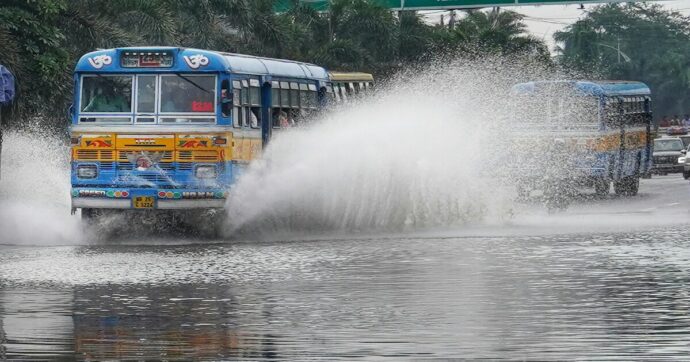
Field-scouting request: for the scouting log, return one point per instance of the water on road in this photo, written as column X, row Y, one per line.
column 567, row 289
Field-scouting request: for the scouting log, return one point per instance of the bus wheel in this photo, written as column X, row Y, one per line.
column 88, row 215
column 633, row 186
column 627, row 186
column 602, row 187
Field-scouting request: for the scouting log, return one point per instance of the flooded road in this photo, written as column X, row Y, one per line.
column 591, row 292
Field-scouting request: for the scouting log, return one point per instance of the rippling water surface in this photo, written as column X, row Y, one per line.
column 533, row 297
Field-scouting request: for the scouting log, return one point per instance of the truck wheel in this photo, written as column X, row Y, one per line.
column 686, row 174
column 602, row 187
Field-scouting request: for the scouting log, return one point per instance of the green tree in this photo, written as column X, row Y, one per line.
column 499, row 31
column 634, row 42
column 31, row 47
column 41, row 40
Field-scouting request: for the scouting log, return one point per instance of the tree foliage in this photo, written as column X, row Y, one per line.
column 41, row 40
column 634, row 42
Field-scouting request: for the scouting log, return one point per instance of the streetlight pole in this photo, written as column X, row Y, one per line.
column 626, row 58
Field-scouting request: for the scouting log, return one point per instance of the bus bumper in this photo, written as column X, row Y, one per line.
column 90, row 198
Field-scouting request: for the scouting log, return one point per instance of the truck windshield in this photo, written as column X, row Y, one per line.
column 668, row 145
column 106, row 94
column 188, row 93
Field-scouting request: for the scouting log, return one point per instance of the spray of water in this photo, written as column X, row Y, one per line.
column 34, row 190
column 414, row 156
column 419, row 153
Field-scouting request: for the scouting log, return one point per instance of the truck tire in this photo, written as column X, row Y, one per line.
column 602, row 186
column 686, row 174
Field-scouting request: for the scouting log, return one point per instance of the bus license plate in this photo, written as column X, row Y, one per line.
column 144, row 202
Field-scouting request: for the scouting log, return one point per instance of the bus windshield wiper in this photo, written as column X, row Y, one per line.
column 192, row 83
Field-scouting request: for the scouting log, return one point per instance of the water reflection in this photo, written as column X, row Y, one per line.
column 548, row 297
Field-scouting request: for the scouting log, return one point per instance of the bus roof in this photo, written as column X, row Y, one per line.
column 351, row 76
column 585, row 87
column 109, row 61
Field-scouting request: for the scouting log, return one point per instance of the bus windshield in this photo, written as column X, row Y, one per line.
column 668, row 145
column 544, row 110
column 106, row 94
column 188, row 93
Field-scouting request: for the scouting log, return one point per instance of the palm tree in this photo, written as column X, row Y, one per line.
column 499, row 31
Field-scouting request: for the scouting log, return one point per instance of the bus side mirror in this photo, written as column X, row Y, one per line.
column 70, row 112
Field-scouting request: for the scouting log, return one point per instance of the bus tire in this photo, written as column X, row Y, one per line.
column 627, row 186
column 602, row 186
column 87, row 215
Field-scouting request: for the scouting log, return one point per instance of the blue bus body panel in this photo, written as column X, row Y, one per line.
column 599, row 163
column 588, row 88
column 108, row 61
column 179, row 177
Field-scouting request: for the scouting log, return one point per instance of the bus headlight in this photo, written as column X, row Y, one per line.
column 87, row 171
column 205, row 171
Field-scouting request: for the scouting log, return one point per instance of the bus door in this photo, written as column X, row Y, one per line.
column 247, row 118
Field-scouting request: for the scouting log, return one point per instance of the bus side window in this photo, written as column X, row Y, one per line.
column 225, row 98
column 275, row 104
column 245, row 104
column 294, row 112
column 313, row 99
column 237, row 102
column 330, row 94
column 255, row 103
column 343, row 92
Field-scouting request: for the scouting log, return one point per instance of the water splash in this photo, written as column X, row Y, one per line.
column 34, row 190
column 415, row 156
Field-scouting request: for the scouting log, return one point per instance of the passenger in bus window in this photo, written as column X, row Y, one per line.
column 254, row 117
column 280, row 118
column 284, row 120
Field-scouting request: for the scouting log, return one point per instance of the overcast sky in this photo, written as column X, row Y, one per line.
column 544, row 20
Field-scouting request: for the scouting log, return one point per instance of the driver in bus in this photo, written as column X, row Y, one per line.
column 107, row 101
column 174, row 102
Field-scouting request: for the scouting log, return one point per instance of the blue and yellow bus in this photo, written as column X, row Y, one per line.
column 605, row 126
column 171, row 128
